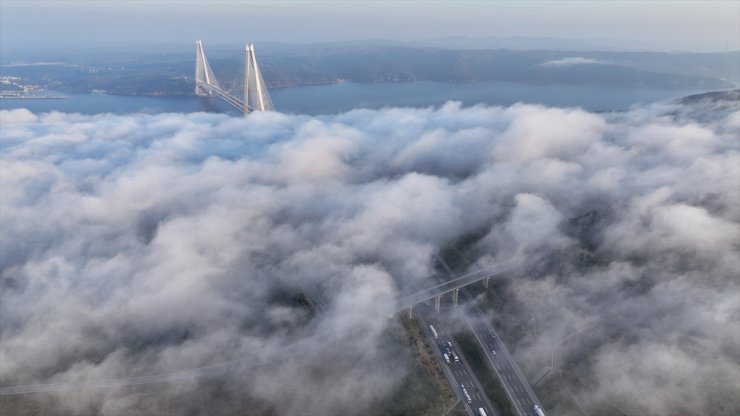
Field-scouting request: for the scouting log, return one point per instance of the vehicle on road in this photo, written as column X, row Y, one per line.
column 434, row 331
column 539, row 411
column 481, row 412
column 447, row 358
column 467, row 396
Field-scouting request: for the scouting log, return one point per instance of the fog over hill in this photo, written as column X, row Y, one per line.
column 136, row 247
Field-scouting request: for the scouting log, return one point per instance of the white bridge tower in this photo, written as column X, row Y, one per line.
column 256, row 97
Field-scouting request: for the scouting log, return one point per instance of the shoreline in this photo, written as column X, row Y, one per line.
column 31, row 98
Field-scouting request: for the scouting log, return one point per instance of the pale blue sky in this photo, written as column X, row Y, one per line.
column 665, row 25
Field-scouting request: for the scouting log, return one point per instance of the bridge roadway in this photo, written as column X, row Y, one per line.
column 239, row 104
column 456, row 283
column 318, row 299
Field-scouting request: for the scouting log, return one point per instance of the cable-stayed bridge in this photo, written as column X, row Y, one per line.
column 255, row 95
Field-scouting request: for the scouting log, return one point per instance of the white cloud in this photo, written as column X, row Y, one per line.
column 571, row 60
column 149, row 244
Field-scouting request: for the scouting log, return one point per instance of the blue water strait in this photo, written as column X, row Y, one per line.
column 337, row 98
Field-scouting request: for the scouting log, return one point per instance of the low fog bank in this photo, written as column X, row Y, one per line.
column 145, row 245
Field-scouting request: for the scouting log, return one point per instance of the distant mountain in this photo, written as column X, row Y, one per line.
column 534, row 43
column 732, row 96
column 620, row 69
column 169, row 71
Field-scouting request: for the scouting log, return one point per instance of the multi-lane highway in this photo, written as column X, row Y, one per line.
column 458, row 372
column 508, row 371
column 515, row 384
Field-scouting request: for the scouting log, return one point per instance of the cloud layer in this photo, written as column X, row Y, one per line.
column 151, row 244
column 571, row 60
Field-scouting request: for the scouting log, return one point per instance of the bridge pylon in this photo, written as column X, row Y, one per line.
column 256, row 97
column 255, row 91
column 203, row 73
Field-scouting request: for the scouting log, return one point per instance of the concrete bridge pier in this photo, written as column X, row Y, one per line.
column 411, row 312
column 454, row 296
column 486, row 282
column 437, row 300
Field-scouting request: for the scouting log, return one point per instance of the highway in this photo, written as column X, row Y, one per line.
column 189, row 376
column 458, row 372
column 508, row 371
column 518, row 389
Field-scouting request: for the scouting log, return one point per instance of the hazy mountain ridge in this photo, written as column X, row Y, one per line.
column 713, row 97
column 170, row 71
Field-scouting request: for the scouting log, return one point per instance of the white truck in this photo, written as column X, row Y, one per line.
column 447, row 358
column 434, row 331
column 539, row 411
column 467, row 396
column 481, row 412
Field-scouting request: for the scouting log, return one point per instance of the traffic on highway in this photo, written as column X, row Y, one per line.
column 458, row 372
column 517, row 387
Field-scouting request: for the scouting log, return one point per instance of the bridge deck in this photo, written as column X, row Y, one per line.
column 235, row 102
column 432, row 292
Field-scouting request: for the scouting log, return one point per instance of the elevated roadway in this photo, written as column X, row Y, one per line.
column 216, row 91
column 454, row 284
